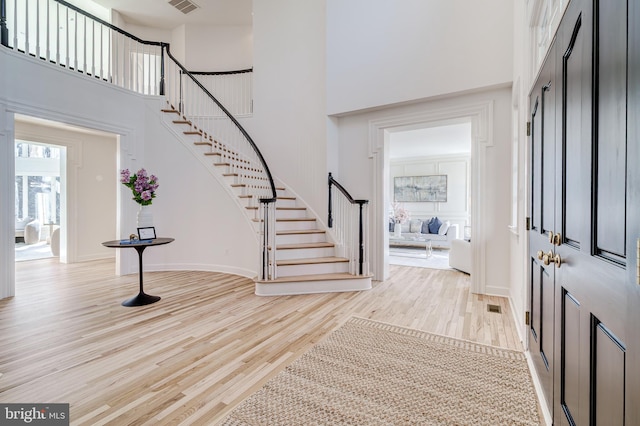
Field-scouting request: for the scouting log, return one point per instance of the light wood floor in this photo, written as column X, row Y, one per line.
column 207, row 345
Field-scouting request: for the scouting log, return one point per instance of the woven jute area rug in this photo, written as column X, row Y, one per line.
column 372, row 373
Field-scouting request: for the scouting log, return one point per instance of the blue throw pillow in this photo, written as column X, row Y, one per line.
column 434, row 225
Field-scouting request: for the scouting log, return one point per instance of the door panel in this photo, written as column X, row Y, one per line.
column 570, row 358
column 572, row 79
column 611, row 80
column 608, row 376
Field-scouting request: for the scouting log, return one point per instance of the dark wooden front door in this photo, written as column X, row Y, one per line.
column 585, row 230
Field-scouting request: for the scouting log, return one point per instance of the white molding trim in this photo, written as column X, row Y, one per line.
column 480, row 115
column 7, row 195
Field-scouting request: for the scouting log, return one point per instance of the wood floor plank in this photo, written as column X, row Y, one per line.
column 206, row 345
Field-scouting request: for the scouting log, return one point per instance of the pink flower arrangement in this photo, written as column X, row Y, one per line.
column 399, row 214
column 141, row 184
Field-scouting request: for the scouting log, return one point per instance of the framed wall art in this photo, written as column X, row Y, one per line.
column 416, row 189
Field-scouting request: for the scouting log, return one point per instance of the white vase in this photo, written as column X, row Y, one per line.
column 145, row 217
column 397, row 230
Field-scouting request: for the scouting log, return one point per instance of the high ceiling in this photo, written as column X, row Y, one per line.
column 161, row 14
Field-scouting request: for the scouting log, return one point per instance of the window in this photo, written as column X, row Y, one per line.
column 37, row 182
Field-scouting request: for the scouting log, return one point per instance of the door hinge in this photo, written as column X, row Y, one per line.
column 528, row 128
column 638, row 263
column 527, row 223
column 526, row 318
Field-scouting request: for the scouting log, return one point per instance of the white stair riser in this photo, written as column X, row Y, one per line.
column 286, row 203
column 295, row 225
column 313, row 269
column 310, row 287
column 319, row 237
column 291, row 214
column 305, row 253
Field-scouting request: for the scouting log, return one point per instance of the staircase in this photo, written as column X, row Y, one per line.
column 305, row 259
column 297, row 255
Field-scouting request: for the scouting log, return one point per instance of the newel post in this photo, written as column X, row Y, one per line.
column 330, row 218
column 361, row 204
column 161, row 88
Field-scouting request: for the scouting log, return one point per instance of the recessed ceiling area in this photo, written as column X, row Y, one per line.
column 161, row 14
column 431, row 141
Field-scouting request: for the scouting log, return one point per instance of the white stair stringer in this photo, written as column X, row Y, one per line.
column 306, row 262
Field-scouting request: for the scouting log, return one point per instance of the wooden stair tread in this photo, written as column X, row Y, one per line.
column 312, row 261
column 280, row 208
column 317, row 277
column 301, row 231
column 304, row 246
column 171, row 111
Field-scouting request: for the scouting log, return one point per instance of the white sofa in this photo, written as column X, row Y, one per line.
column 419, row 239
column 460, row 255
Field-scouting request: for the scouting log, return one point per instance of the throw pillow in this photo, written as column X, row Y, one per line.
column 434, row 226
column 444, row 228
column 425, row 226
column 415, row 225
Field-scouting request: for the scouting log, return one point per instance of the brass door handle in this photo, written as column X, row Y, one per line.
column 557, row 260
column 549, row 258
column 540, row 254
column 555, row 239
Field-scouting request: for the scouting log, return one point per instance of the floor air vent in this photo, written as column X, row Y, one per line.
column 494, row 308
column 184, row 6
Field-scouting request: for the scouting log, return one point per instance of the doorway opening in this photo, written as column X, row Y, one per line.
column 38, row 200
column 430, row 183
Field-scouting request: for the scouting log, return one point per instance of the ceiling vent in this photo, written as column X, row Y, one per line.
column 184, row 6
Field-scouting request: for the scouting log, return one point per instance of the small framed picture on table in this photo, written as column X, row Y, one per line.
column 147, row 233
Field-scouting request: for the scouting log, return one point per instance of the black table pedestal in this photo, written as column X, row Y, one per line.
column 141, row 298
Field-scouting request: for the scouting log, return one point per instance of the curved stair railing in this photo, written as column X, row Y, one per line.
column 225, row 135
column 61, row 33
column 349, row 218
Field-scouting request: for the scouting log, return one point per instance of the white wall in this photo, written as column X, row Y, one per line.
column 456, row 168
column 219, row 48
column 289, row 122
column 357, row 170
column 210, row 230
column 384, row 52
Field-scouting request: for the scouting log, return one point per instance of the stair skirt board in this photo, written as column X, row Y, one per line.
column 312, row 284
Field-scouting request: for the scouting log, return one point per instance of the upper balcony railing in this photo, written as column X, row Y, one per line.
column 61, row 33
